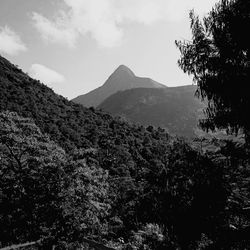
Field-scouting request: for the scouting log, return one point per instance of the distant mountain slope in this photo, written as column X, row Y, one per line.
column 176, row 108
column 69, row 124
column 122, row 78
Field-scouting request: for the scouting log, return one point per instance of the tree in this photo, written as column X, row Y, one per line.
column 44, row 192
column 218, row 57
column 186, row 195
column 85, row 191
column 31, row 174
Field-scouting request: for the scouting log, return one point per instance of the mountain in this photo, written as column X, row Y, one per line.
column 143, row 178
column 173, row 108
column 69, row 124
column 123, row 78
column 120, row 148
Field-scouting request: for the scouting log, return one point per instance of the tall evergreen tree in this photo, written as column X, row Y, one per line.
column 218, row 57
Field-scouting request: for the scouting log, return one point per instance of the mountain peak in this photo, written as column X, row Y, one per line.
column 121, row 79
column 123, row 69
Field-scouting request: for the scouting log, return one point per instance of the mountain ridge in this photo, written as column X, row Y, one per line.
column 69, row 124
column 174, row 108
column 121, row 79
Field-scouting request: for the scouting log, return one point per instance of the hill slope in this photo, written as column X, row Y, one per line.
column 154, row 180
column 176, row 109
column 122, row 78
column 113, row 144
column 69, row 124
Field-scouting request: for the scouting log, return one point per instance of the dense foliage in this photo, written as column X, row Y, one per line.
column 63, row 197
column 218, row 58
column 70, row 175
column 31, row 171
column 69, row 124
column 44, row 193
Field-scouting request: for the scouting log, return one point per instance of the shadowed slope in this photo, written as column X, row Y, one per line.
column 176, row 109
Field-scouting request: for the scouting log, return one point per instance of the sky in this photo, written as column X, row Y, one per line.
column 74, row 45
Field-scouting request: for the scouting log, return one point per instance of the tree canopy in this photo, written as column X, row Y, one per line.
column 44, row 193
column 68, row 173
column 218, row 57
column 31, row 176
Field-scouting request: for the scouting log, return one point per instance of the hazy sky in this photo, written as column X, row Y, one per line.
column 74, row 45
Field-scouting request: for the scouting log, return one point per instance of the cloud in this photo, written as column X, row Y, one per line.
column 55, row 32
column 10, row 42
column 104, row 20
column 45, row 75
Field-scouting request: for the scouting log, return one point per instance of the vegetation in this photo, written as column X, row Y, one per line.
column 63, row 198
column 174, row 108
column 218, row 58
column 45, row 194
column 72, row 178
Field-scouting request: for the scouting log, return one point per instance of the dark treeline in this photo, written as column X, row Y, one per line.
column 69, row 173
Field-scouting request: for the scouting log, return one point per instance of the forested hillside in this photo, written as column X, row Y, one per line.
column 72, row 175
column 176, row 109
